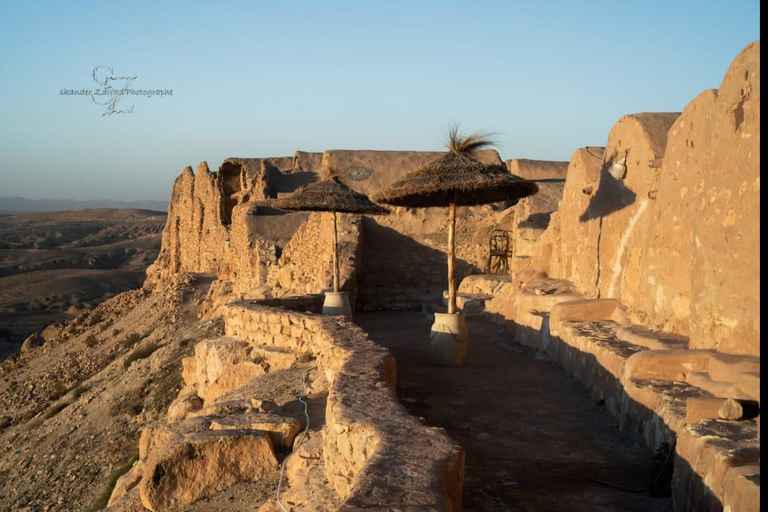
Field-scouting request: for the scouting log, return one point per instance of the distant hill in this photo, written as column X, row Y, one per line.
column 19, row 204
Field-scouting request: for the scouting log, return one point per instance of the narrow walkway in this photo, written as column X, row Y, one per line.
column 531, row 432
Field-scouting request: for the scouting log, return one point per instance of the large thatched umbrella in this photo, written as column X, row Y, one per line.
column 330, row 195
column 457, row 178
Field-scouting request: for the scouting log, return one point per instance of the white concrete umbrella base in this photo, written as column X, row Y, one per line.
column 337, row 303
column 449, row 339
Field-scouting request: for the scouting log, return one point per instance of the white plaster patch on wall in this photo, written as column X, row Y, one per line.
column 623, row 244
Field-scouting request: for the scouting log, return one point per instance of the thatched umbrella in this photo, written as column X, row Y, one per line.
column 457, row 178
column 330, row 195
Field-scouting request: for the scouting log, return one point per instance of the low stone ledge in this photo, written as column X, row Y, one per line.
column 376, row 455
column 717, row 467
column 645, row 378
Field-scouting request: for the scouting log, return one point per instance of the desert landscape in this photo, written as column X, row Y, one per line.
column 55, row 265
column 481, row 324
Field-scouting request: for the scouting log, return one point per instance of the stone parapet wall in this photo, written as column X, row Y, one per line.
column 376, row 455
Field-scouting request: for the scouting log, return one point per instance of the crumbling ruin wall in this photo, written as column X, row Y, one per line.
column 533, row 214
column 622, row 205
column 725, row 308
column 568, row 248
column 195, row 238
column 213, row 225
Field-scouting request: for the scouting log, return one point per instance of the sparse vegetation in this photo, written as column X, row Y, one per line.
column 96, row 316
column 91, row 341
column 132, row 403
column 166, row 388
column 78, row 391
column 54, row 410
column 58, row 391
column 305, row 357
column 103, row 499
column 140, row 353
column 116, row 332
column 132, row 339
column 32, row 412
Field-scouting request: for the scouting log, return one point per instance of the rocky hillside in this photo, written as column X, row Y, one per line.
column 73, row 407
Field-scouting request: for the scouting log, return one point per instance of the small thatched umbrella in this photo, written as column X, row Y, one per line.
column 330, row 195
column 457, row 178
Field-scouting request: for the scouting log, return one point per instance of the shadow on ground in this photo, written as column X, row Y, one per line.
column 532, row 433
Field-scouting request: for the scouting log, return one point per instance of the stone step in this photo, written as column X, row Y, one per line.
column 468, row 303
column 727, row 367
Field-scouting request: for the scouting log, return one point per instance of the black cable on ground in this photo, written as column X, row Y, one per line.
column 655, row 479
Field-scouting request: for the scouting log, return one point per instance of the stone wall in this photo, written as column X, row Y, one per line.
column 568, row 248
column 195, row 238
column 725, row 306
column 621, row 206
column 533, row 214
column 677, row 237
column 251, row 250
column 306, row 263
column 537, row 170
column 376, row 455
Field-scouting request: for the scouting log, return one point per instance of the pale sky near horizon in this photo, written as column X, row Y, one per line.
column 268, row 78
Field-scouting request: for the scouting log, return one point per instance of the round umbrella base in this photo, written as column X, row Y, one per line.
column 449, row 339
column 337, row 303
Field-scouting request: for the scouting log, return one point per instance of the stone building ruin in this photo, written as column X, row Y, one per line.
column 645, row 288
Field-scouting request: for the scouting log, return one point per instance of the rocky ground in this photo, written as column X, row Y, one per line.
column 55, row 265
column 74, row 406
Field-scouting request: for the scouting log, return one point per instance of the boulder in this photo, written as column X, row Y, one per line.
column 187, row 402
column 212, row 356
column 34, row 340
column 189, row 370
column 281, row 430
column 195, row 465
column 126, row 482
column 232, row 377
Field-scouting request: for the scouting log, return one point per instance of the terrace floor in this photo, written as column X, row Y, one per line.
column 531, row 432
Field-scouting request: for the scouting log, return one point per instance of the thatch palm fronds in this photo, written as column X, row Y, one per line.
column 458, row 178
column 467, row 145
column 329, row 195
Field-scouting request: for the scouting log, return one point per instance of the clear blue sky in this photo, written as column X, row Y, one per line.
column 266, row 78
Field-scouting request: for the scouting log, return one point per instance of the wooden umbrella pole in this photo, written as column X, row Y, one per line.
column 335, row 256
column 451, row 259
